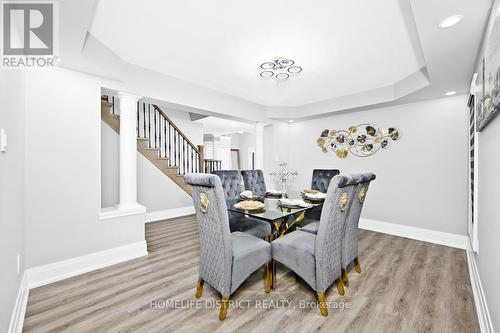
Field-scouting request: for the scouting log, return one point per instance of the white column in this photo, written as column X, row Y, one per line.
column 128, row 151
column 259, row 146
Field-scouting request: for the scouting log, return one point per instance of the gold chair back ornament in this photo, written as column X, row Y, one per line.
column 361, row 195
column 204, row 202
column 343, row 201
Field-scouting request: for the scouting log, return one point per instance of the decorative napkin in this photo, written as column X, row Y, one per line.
column 274, row 192
column 294, row 202
column 249, row 205
column 246, row 194
column 319, row 195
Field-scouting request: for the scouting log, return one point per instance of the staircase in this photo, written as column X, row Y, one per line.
column 161, row 141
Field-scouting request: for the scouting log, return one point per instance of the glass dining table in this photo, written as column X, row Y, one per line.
column 282, row 219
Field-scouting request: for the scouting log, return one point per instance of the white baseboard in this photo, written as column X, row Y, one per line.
column 17, row 319
column 483, row 314
column 41, row 275
column 169, row 213
column 425, row 235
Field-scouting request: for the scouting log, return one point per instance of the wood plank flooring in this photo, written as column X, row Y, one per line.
column 404, row 286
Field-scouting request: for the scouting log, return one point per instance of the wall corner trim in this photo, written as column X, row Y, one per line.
column 425, row 235
column 483, row 313
column 17, row 318
column 169, row 213
column 42, row 275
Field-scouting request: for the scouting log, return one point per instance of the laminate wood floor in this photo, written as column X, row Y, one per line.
column 404, row 286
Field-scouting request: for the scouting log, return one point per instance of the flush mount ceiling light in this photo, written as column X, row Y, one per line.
column 281, row 68
column 450, row 93
column 282, row 76
column 266, row 73
column 450, row 21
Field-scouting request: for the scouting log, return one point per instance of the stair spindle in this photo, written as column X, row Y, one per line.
column 149, row 125
column 144, row 119
column 154, row 119
column 138, row 111
column 169, row 145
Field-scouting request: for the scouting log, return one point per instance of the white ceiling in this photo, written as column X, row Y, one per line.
column 344, row 47
column 204, row 55
column 220, row 126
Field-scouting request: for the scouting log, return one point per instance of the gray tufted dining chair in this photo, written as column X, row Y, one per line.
column 231, row 186
column 311, row 222
column 350, row 233
column 321, row 179
column 350, row 239
column 317, row 258
column 226, row 259
column 254, row 181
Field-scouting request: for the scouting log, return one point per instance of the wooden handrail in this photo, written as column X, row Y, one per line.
column 175, row 127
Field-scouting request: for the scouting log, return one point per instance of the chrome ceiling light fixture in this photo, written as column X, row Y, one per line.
column 281, row 68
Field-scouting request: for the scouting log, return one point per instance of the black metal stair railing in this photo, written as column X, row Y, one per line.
column 162, row 134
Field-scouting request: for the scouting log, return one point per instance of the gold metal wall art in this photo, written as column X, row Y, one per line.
column 343, row 201
column 362, row 140
column 204, row 202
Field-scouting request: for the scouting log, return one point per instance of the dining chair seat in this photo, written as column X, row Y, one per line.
column 311, row 227
column 249, row 225
column 296, row 251
column 249, row 253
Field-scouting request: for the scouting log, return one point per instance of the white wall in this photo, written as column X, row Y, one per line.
column 63, row 170
column 154, row 189
column 243, row 142
column 276, row 150
column 12, row 116
column 488, row 212
column 421, row 179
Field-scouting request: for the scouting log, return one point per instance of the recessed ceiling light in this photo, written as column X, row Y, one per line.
column 291, row 121
column 450, row 21
column 450, row 93
column 241, row 132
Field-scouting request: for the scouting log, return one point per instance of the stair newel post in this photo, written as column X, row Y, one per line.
column 201, row 159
